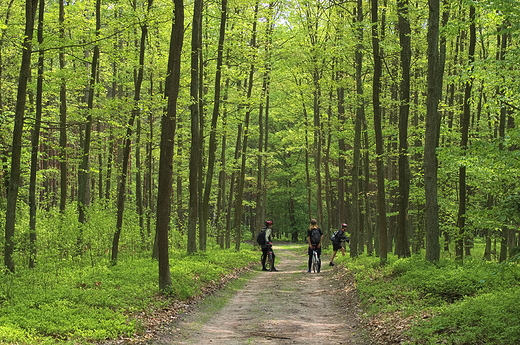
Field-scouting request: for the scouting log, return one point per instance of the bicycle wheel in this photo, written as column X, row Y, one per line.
column 270, row 261
column 315, row 262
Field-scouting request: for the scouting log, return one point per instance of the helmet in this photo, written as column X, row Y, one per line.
column 268, row 222
column 344, row 225
column 313, row 221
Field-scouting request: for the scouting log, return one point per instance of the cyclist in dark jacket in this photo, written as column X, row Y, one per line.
column 314, row 242
column 265, row 247
column 337, row 242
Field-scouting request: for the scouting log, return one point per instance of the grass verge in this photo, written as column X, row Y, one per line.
column 72, row 304
column 440, row 303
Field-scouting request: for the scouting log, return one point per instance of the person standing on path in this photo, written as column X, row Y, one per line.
column 266, row 243
column 337, row 242
column 314, row 238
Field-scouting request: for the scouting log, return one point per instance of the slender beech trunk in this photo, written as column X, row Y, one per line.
column 14, row 176
column 63, row 115
column 7, row 11
column 5, row 151
column 121, row 193
column 149, row 196
column 35, row 141
column 318, row 141
column 110, row 162
column 260, row 206
column 355, row 220
column 331, row 213
column 489, row 231
column 307, row 153
column 233, row 181
column 138, row 180
column 196, row 140
column 219, row 224
column 376, row 89
column 366, row 219
column 216, row 110
column 263, row 128
column 432, row 134
column 221, row 196
column 465, row 121
column 168, row 125
column 83, row 173
column 342, row 163
column 402, row 245
column 503, row 43
column 242, row 176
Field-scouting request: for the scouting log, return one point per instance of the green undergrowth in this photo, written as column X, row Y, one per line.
column 450, row 303
column 66, row 303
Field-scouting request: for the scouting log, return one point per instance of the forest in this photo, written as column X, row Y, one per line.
column 154, row 129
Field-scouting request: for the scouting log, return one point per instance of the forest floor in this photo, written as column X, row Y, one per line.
column 290, row 306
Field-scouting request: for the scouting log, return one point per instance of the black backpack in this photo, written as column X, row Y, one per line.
column 334, row 238
column 315, row 236
column 260, row 239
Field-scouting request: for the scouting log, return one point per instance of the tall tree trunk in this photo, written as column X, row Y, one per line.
column 83, row 173
column 7, row 11
column 109, row 163
column 220, row 212
column 138, row 179
column 121, row 193
column 432, row 134
column 318, row 141
column 381, row 206
column 307, row 153
column 229, row 207
column 35, row 140
column 149, row 169
column 328, row 224
column 355, row 220
column 342, row 163
column 196, row 145
column 5, row 151
column 168, row 124
column 242, row 176
column 402, row 246
column 503, row 43
column 179, row 181
column 63, row 116
column 366, row 218
column 221, row 196
column 263, row 129
column 216, row 110
column 465, row 121
column 14, row 176
column 488, row 231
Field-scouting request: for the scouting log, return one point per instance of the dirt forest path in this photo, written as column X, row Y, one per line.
column 290, row 306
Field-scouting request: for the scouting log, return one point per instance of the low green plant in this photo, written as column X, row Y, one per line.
column 490, row 318
column 64, row 303
column 474, row 302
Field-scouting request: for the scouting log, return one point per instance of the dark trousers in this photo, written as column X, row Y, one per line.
column 264, row 256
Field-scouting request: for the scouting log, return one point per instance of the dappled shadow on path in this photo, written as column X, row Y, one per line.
column 290, row 306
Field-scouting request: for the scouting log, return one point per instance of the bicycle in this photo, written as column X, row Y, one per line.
column 315, row 260
column 270, row 256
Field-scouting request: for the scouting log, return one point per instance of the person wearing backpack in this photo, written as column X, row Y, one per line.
column 314, row 237
column 337, row 242
column 264, row 240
